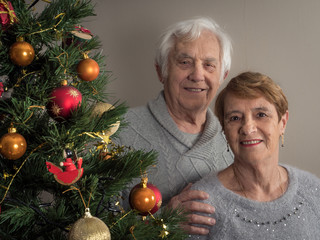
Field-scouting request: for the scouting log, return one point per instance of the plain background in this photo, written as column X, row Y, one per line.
column 280, row 38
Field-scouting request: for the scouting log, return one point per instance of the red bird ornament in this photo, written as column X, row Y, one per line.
column 71, row 173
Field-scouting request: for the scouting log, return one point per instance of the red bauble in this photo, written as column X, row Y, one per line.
column 88, row 69
column 63, row 101
column 158, row 196
column 142, row 198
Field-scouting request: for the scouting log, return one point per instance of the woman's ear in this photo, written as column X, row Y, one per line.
column 284, row 121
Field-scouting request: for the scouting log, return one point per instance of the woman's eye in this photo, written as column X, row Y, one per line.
column 234, row 118
column 261, row 114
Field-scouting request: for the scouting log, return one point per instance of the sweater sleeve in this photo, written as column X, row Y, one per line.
column 309, row 189
column 212, row 186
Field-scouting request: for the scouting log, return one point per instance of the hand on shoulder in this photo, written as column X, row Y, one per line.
column 187, row 199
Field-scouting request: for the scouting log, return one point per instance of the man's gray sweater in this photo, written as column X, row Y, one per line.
column 180, row 160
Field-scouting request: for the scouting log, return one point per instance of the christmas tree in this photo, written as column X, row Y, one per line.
column 60, row 173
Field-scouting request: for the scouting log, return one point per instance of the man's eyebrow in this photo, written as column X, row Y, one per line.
column 183, row 55
column 211, row 59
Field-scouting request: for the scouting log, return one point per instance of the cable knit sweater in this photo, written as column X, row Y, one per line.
column 179, row 160
column 295, row 215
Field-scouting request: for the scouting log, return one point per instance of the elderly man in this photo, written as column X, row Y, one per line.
column 193, row 59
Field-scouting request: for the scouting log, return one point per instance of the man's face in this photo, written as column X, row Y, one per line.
column 194, row 70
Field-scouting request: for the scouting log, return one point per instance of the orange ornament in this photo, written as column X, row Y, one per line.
column 88, row 69
column 142, row 198
column 12, row 145
column 21, row 53
column 158, row 197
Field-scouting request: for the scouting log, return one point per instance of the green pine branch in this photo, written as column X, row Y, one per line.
column 33, row 204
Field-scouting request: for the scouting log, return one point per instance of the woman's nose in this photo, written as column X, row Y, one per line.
column 248, row 127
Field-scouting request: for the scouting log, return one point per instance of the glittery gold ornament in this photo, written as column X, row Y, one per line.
column 89, row 228
column 12, row 145
column 21, row 53
column 99, row 109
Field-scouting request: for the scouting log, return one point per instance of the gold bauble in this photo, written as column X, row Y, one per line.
column 141, row 197
column 88, row 69
column 12, row 145
column 89, row 228
column 21, row 53
column 99, row 109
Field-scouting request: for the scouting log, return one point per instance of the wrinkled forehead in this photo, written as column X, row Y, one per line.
column 206, row 46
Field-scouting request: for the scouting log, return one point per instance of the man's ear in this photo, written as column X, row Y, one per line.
column 159, row 73
column 225, row 75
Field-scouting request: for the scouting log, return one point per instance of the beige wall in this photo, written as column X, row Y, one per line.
column 280, row 38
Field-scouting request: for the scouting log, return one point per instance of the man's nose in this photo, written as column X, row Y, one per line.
column 197, row 73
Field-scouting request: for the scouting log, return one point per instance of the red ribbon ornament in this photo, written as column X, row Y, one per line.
column 7, row 14
column 1, row 89
column 82, row 29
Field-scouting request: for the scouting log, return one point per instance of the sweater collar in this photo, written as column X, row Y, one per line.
column 160, row 112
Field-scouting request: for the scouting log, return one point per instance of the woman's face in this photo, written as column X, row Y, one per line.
column 252, row 128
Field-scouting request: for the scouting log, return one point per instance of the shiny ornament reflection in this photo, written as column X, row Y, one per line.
column 12, row 145
column 21, row 53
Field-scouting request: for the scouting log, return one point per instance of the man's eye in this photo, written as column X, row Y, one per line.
column 210, row 67
column 185, row 62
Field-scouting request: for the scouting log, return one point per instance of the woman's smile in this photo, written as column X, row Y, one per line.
column 249, row 143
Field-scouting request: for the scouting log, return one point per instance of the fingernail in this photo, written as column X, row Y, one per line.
column 211, row 221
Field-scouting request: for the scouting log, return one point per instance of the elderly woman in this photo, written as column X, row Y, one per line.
column 256, row 197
